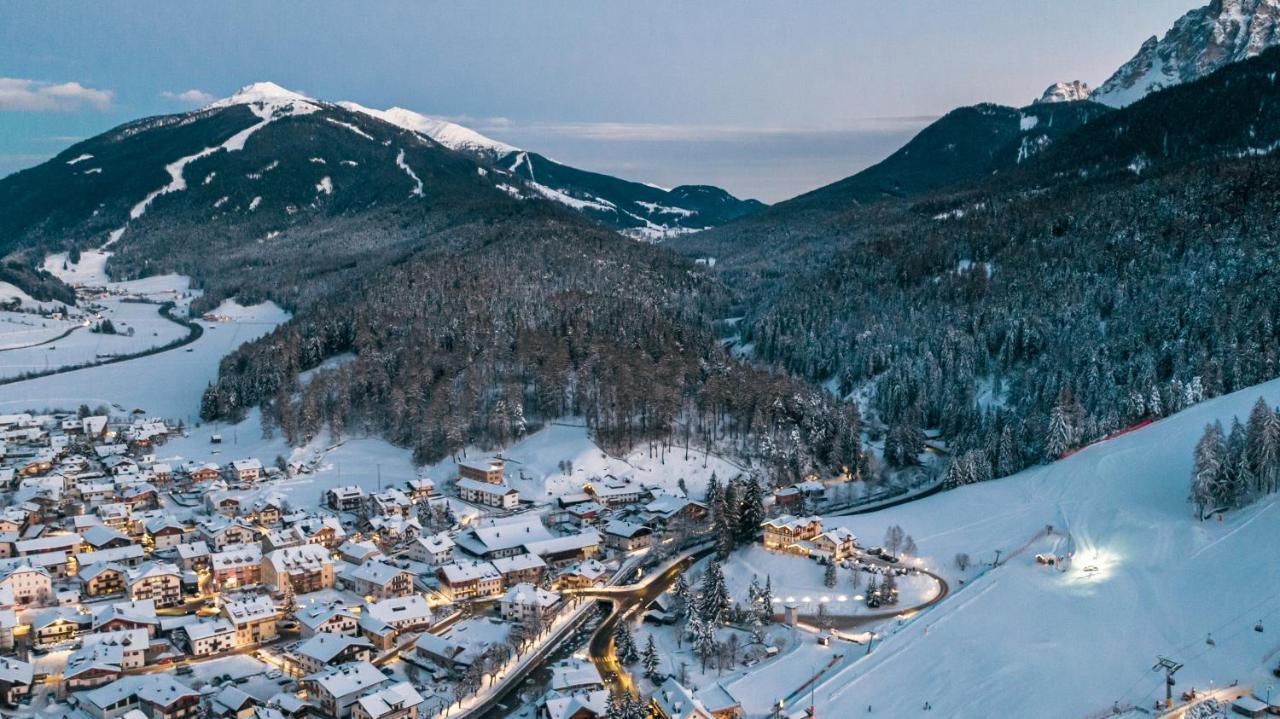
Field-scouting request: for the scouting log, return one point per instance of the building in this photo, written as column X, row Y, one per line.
column 614, row 492
column 673, row 701
column 627, row 536
column 158, row 581
column 345, row 499
column 28, row 585
column 302, row 569
column 165, row 532
column 432, row 549
column 405, row 614
column 246, row 470
column 525, row 601
column 488, row 471
column 489, row 495
column 156, row 696
column 254, row 620
column 781, row 533
column 378, row 580
column 102, row 580
column 314, row 620
column 336, row 689
column 210, row 636
column 463, row 580
column 15, row 680
column 220, row 532
column 835, row 544
column 503, row 538
column 194, row 556
column 398, row 701
column 527, row 568
column 238, row 566
column 329, row 650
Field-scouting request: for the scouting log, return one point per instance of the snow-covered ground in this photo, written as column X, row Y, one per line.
column 1147, row 580
column 799, row 580
column 533, row 465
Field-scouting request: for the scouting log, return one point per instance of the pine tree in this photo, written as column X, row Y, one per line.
column 715, row 595
column 625, row 644
column 704, row 642
column 1061, row 433
column 766, row 601
column 751, row 511
column 650, row 660
column 1207, row 470
column 829, row 576
column 684, row 598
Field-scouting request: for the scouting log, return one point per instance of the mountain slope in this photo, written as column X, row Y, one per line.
column 640, row 210
column 1201, row 42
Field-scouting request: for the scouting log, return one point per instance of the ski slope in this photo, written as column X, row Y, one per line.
column 1147, row 579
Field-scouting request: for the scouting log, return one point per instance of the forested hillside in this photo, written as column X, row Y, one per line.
column 1036, row 311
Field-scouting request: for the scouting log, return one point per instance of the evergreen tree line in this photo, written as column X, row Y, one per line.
column 1232, row 469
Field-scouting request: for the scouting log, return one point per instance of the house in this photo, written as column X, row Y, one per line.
column 419, row 489
column 157, row 696
column 218, row 532
column 203, row 472
column 391, row 503
column 15, row 680
column 232, row 702
column 104, row 656
column 162, row 472
column 571, row 548
column 57, row 624
column 614, row 492
column 463, row 580
column 194, row 556
column 378, row 580
column 315, row 620
column 584, row 574
column 100, row 537
column 140, row 614
column 524, row 601
column 103, row 579
column 358, row 552
column 432, row 549
column 284, row 538
column 325, row 531
column 502, row 538
column 158, row 581
column 129, row 556
column 627, row 536
column 673, row 701
column 489, row 495
column 488, row 471
column 336, row 689
column 345, row 499
column 587, row 704
column 246, row 470
column 254, row 620
column 575, row 675
column 405, row 614
column 238, row 566
column 520, row 568
column 835, row 544
column 27, row 585
column 782, row 532
column 303, row 569
column 329, row 650
column 165, row 532
column 210, row 636
column 398, row 701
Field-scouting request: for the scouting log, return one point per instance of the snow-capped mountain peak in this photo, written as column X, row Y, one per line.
column 449, row 134
column 1200, row 42
column 1065, row 92
column 262, row 92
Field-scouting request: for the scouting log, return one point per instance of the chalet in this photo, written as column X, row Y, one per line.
column 267, row 510
column 505, row 539
column 378, row 580
column 218, row 532
column 103, row 537
column 194, row 556
column 162, row 472
column 26, row 585
column 210, row 636
column 359, row 552
column 302, row 569
column 57, row 624
column 254, row 620
column 524, row 601
column 104, row 579
column 203, row 471
column 315, row 620
column 406, row 614
column 460, row 580
column 571, row 548
column 627, row 536
column 398, row 701
column 158, row 581
column 155, row 696
column 586, row 704
column 612, row 491
column 165, row 532
column 326, row 531
column 329, row 650
column 15, row 681
column 419, row 489
column 527, row 568
column 489, row 495
column 673, row 701
column 246, row 470
column 433, row 549
column 585, row 514
column 584, row 574
column 284, row 538
column 835, row 544
column 232, row 702
column 392, row 503
column 139, row 614
column 130, row 555
column 336, row 689
column 345, row 499
column 783, row 532
column 488, row 471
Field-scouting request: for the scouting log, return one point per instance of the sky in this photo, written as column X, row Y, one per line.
column 766, row 99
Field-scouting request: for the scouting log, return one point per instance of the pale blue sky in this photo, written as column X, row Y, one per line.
column 767, row 99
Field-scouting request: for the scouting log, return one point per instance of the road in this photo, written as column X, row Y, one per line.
column 857, row 620
column 626, row 600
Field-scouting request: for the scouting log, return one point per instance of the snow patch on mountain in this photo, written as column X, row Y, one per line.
column 417, row 183
column 449, row 134
column 574, row 202
column 654, row 207
column 1073, row 91
column 325, row 185
column 81, row 158
column 1200, row 42
column 350, row 127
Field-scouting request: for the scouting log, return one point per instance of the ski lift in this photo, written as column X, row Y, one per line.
column 1258, row 627
column 1210, row 641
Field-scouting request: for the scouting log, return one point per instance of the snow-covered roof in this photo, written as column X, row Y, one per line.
column 526, row 594
column 348, row 679
column 390, row 699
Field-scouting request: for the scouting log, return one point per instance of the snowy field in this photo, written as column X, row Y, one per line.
column 1147, row 580
column 533, row 465
column 799, row 580
column 168, row 384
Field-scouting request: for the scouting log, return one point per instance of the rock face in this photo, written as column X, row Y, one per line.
column 1202, row 41
column 1073, row 91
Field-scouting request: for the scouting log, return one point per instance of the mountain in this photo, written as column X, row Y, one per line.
column 1118, row 275
column 1073, row 91
column 1200, row 42
column 965, row 144
column 637, row 209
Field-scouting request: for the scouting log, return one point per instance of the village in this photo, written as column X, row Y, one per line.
column 198, row 589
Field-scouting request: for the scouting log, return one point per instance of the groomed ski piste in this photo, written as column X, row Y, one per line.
column 1145, row 579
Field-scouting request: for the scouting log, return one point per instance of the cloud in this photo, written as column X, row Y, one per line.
column 21, row 95
column 658, row 132
column 189, row 97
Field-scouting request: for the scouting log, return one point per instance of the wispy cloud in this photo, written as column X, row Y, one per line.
column 660, row 132
column 22, row 95
column 189, row 97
